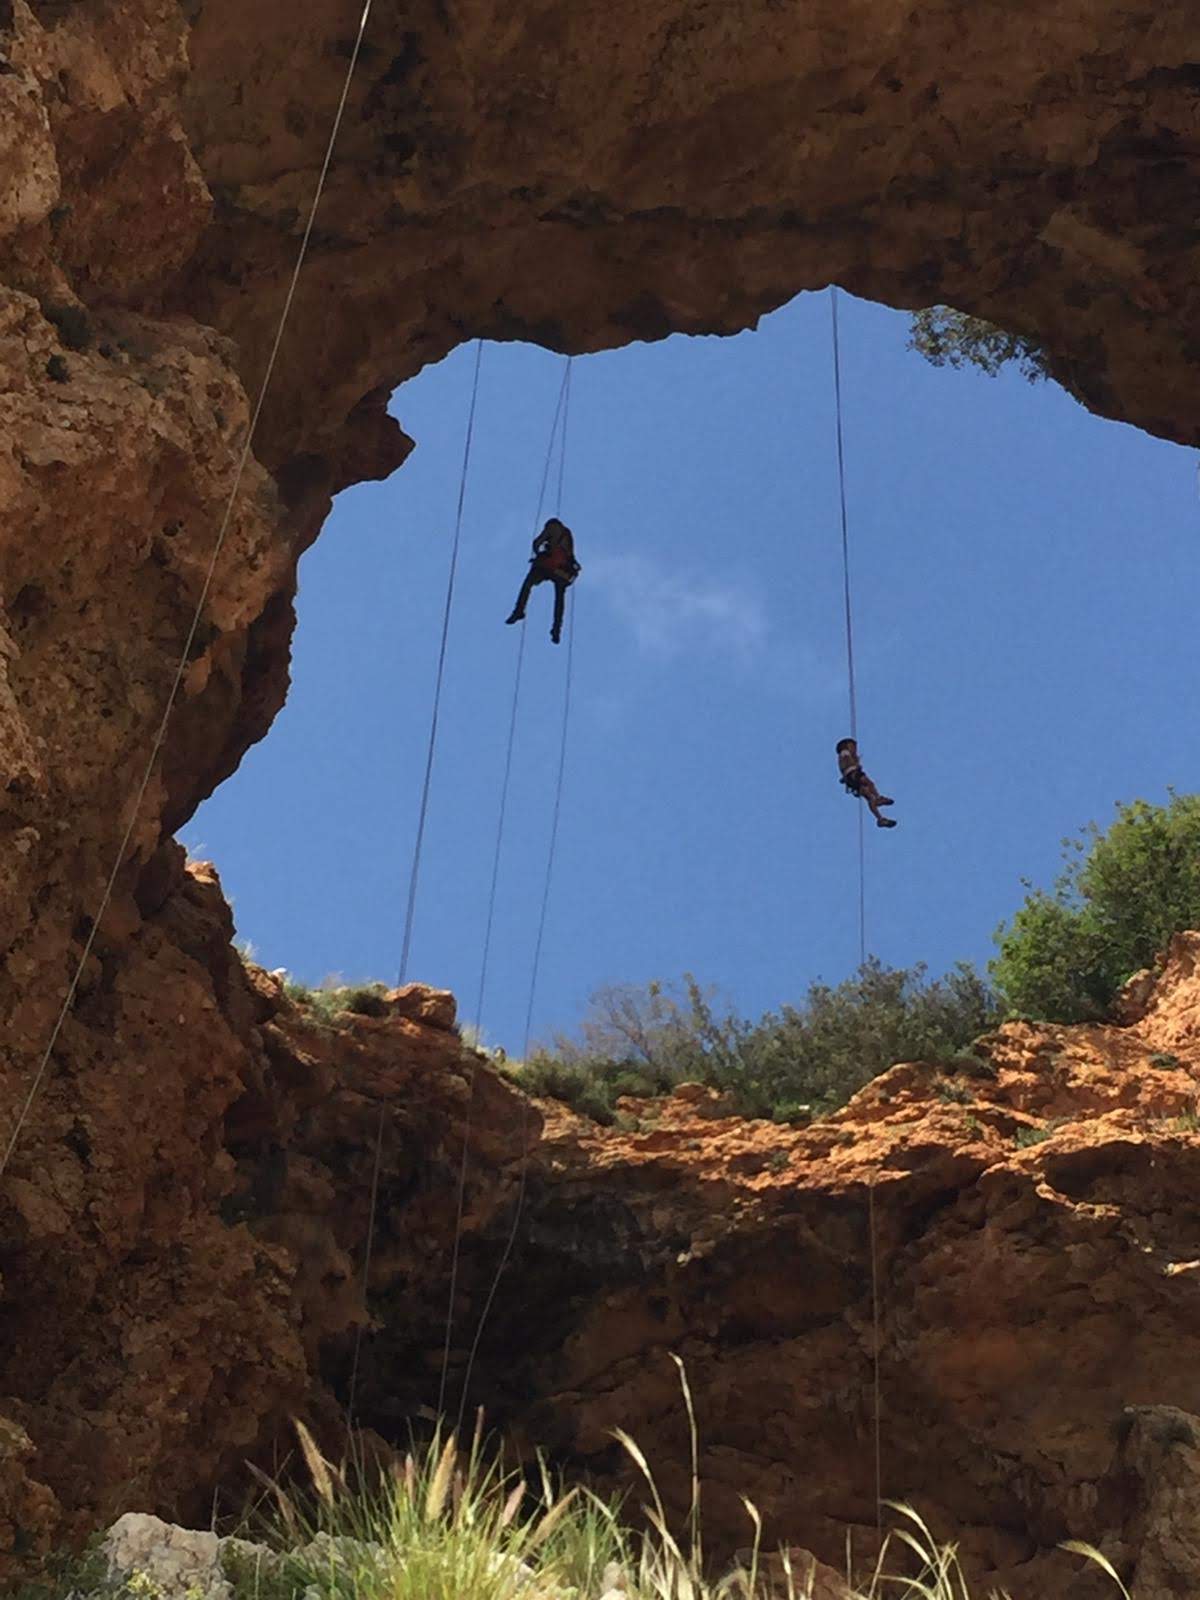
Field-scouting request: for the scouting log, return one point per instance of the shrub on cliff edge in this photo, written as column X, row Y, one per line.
column 803, row 1060
column 1111, row 912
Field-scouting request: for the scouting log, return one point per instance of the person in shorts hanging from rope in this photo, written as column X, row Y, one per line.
column 553, row 561
column 856, row 782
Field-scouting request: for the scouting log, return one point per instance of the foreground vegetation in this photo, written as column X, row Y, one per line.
column 453, row 1525
column 1062, row 958
column 450, row 1523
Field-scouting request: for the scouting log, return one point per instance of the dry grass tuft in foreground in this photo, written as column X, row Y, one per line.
column 451, row 1524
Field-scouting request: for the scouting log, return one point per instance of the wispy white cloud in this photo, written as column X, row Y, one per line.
column 672, row 610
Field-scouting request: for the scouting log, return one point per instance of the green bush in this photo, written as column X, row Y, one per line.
column 803, row 1061
column 1112, row 911
column 366, row 1000
column 329, row 1002
column 824, row 1051
column 591, row 1085
column 65, row 1574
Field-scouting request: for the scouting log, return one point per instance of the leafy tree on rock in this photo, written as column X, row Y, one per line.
column 950, row 338
column 1112, row 911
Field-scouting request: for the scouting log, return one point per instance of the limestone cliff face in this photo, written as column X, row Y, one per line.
column 183, row 1256
column 581, row 174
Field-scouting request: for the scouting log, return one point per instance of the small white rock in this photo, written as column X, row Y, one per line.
column 181, row 1563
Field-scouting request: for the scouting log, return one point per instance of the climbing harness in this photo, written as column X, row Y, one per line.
column 848, row 607
column 205, row 589
column 561, row 414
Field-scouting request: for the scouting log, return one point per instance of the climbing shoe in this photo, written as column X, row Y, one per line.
column 885, row 822
column 517, row 616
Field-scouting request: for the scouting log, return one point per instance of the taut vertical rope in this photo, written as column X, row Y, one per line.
column 841, row 463
column 512, row 726
column 848, row 607
column 414, row 876
column 862, row 891
column 875, row 1348
column 410, row 913
column 560, row 415
column 510, row 1242
column 566, row 413
column 372, row 1211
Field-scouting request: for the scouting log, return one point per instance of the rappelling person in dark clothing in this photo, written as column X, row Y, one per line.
column 856, row 782
column 553, row 561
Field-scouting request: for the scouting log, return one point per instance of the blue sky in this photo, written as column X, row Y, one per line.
column 1026, row 581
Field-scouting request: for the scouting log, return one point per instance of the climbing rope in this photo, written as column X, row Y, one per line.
column 876, row 1400
column 848, row 608
column 862, row 891
column 518, row 1210
column 566, row 414
column 372, row 1210
column 468, row 1124
column 841, row 465
column 502, row 813
column 205, row 589
column 414, row 875
column 562, row 747
column 418, row 845
column 562, row 412
column 876, row 1385
column 559, row 413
